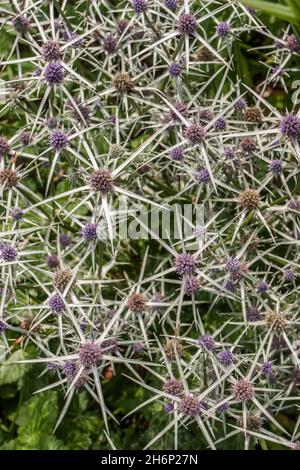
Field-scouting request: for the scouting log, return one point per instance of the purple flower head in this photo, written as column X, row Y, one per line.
column 51, row 123
column 225, row 358
column 89, row 232
column 173, row 387
column 52, row 261
column 137, row 303
column 176, row 154
column 187, row 24
column 56, row 303
column 69, row 369
column 181, row 108
column 52, row 366
column 54, row 74
column 25, row 138
column 21, row 23
column 185, row 264
column 110, row 44
column 230, row 286
column 248, row 144
column 223, row 408
column 266, row 368
column 195, row 134
column 229, row 153
column 253, row 314
column 16, row 213
column 51, row 51
column 137, row 347
column 233, row 265
column 240, row 104
column 290, row 126
column 190, row 405
column 206, row 115
column 276, row 166
column 292, row 43
column 242, row 390
column 207, row 342
column 288, row 275
column 65, row 240
column 168, row 407
column 101, row 180
column 109, row 346
column 89, row 354
column 3, row 327
column 139, row 6
column 4, row 146
column 122, row 25
column 58, row 140
column 175, row 70
column 202, row 175
column 172, row 4
column 263, row 287
column 223, row 29
column 192, row 285
column 8, row 253
column 220, row 124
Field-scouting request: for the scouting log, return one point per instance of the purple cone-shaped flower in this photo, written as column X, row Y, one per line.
column 54, row 74
column 185, row 264
column 8, row 253
column 207, row 342
column 58, row 140
column 89, row 232
column 56, row 303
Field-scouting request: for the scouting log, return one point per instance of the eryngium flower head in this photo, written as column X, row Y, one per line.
column 117, row 151
column 207, row 342
column 139, row 6
column 263, row 286
column 3, row 327
column 195, row 133
column 8, row 253
column 176, row 153
column 276, row 166
column 52, row 261
column 62, row 278
column 89, row 232
column 181, row 108
column 220, row 124
column 89, row 354
column 173, row 348
column 21, row 23
column 223, row 408
column 123, row 82
column 253, row 314
column 233, row 265
column 288, row 275
column 240, row 104
column 253, row 114
column 202, row 175
column 51, row 51
column 25, row 138
column 266, row 368
column 172, row 4
column 58, row 140
column 192, row 285
column 249, row 199
column 275, row 321
column 101, row 180
column 54, row 74
column 242, row 390
column 190, row 405
column 185, row 264
column 203, row 54
column 4, row 146
column 8, row 178
column 225, row 358
column 292, row 43
column 69, row 369
column 110, row 44
column 65, row 240
column 168, row 407
column 16, row 213
column 56, row 303
column 175, row 70
column 109, row 346
column 136, row 303
column 187, row 24
column 51, row 123
column 248, row 144
column 290, row 126
column 173, row 387
column 223, row 29
column 253, row 423
column 229, row 153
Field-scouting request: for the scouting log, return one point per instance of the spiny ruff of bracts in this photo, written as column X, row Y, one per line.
column 173, row 387
column 249, row 199
column 8, row 178
column 275, row 321
column 190, row 405
column 89, row 354
column 101, row 180
column 136, row 303
column 185, row 264
column 242, row 390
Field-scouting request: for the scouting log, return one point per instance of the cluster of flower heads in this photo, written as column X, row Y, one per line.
column 146, row 102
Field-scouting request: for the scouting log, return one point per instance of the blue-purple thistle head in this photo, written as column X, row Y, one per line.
column 195, row 134
column 21, row 24
column 3, row 326
column 220, row 124
column 173, row 387
column 240, row 104
column 223, row 29
column 226, row 358
column 175, row 69
column 202, row 175
column 176, row 154
column 171, row 4
column 233, row 265
column 266, row 368
column 89, row 354
column 8, row 253
column 253, row 314
column 263, row 287
column 207, row 343
column 16, row 213
column 290, row 126
column 187, row 24
column 110, row 44
column 4, row 146
column 192, row 285
column 101, row 180
column 168, row 407
column 65, row 240
column 54, row 74
column 58, row 140
column 69, row 369
column 139, row 6
column 51, row 51
column 51, row 123
column 276, row 167
column 190, row 405
column 185, row 264
column 56, row 303
column 288, row 275
column 89, row 232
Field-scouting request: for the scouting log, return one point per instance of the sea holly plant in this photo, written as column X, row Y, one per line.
column 149, row 205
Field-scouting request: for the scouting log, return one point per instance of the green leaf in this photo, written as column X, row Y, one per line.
column 280, row 11
column 11, row 373
column 295, row 7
